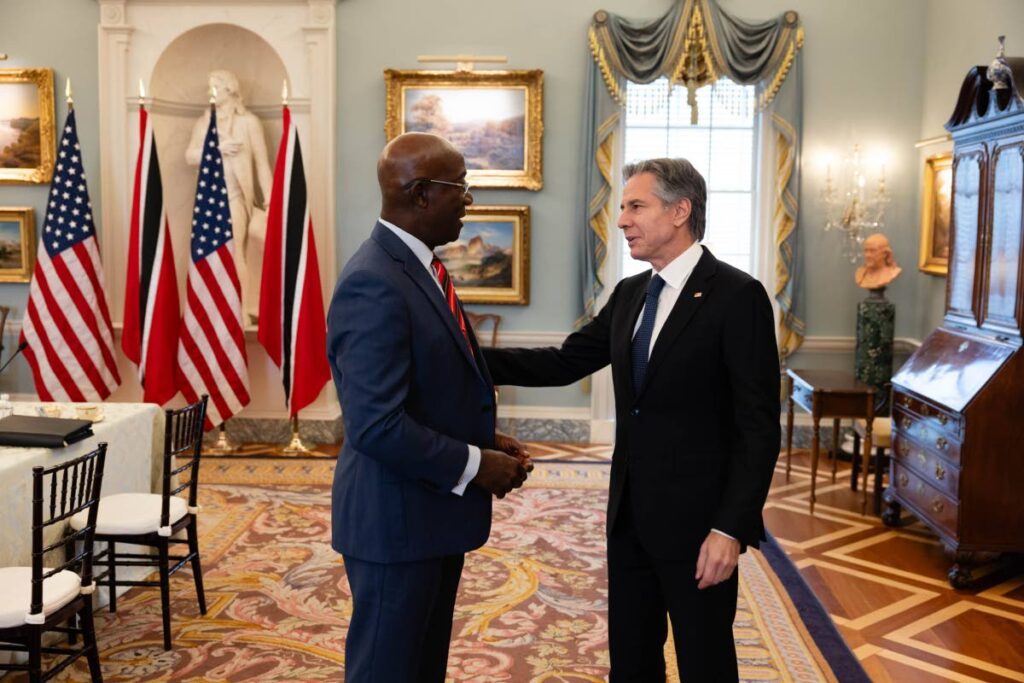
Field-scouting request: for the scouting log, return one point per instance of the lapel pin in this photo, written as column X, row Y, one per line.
column 697, row 295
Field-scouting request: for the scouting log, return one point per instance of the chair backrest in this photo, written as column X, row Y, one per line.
column 183, row 436
column 477, row 320
column 73, row 486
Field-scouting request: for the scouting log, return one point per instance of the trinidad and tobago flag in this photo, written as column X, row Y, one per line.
column 292, row 327
column 151, row 313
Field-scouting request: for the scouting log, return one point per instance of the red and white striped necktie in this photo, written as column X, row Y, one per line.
column 441, row 273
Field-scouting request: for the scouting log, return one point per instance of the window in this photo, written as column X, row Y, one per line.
column 722, row 146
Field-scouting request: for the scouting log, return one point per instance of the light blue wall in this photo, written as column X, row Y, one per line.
column 877, row 72
column 60, row 34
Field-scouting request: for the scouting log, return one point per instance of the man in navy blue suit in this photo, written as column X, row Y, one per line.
column 413, row 486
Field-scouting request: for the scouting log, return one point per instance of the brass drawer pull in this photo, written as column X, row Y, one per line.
column 903, row 448
column 941, row 443
column 905, row 400
column 920, row 487
column 904, row 480
column 940, row 471
column 943, row 419
column 938, row 506
column 922, row 459
column 905, row 423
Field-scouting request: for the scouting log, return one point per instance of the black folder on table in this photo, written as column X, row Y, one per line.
column 47, row 432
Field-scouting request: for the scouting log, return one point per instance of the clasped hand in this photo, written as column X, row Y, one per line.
column 504, row 467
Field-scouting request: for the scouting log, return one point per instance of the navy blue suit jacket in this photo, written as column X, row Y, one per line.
column 412, row 397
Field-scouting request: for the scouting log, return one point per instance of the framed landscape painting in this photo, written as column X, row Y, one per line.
column 935, row 214
column 17, row 244
column 490, row 262
column 495, row 118
column 26, row 125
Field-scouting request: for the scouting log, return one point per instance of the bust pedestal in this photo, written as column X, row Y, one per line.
column 876, row 317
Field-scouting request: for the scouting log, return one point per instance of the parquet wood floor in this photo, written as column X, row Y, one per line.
column 886, row 588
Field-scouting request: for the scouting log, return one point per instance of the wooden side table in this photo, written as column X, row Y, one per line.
column 829, row 394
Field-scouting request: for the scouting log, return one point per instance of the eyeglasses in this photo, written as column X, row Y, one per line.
column 464, row 186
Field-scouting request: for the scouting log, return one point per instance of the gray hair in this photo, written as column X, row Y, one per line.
column 676, row 179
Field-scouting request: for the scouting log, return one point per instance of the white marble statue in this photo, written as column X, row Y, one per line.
column 880, row 267
column 248, row 177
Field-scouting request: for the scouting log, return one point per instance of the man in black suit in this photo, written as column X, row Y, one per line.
column 696, row 373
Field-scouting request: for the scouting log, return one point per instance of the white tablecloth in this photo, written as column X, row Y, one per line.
column 134, row 434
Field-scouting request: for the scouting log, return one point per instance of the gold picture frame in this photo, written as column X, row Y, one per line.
column 935, row 214
column 490, row 262
column 26, row 125
column 17, row 244
column 503, row 150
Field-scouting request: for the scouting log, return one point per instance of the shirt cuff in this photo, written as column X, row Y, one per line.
column 722, row 533
column 468, row 474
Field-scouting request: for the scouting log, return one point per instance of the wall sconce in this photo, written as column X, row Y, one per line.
column 851, row 209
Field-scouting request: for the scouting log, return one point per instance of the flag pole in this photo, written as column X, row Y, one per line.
column 296, row 447
column 223, row 445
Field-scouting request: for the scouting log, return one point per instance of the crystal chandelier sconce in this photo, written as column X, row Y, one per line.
column 851, row 208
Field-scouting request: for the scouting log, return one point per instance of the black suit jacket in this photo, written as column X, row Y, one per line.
column 697, row 444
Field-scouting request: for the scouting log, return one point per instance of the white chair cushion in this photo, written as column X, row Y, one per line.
column 16, row 593
column 130, row 513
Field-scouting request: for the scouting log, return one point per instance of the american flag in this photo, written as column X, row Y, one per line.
column 67, row 322
column 211, row 349
column 291, row 326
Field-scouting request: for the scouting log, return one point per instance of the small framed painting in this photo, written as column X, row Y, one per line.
column 17, row 244
column 26, row 125
column 935, row 214
column 495, row 118
column 490, row 262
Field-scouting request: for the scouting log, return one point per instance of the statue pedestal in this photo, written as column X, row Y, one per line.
column 876, row 317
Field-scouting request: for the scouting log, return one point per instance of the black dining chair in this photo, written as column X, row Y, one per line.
column 154, row 519
column 39, row 599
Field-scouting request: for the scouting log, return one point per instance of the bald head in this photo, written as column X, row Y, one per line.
column 427, row 210
column 411, row 156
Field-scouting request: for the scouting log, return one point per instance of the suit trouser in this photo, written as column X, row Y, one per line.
column 401, row 619
column 641, row 589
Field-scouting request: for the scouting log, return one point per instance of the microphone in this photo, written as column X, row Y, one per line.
column 21, row 347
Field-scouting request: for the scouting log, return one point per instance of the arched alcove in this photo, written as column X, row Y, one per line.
column 180, row 97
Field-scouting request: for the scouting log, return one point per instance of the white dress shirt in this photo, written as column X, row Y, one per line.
column 425, row 256
column 675, row 275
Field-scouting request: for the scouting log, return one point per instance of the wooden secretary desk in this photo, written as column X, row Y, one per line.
column 958, row 401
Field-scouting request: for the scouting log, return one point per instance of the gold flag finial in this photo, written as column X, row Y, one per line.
column 284, row 92
column 142, row 93
column 213, row 93
column 67, row 91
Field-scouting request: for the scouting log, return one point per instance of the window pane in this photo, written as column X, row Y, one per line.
column 732, row 162
column 720, row 146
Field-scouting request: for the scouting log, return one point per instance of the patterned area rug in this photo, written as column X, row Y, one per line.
column 531, row 607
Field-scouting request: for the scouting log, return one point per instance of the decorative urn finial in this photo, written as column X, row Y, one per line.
column 998, row 71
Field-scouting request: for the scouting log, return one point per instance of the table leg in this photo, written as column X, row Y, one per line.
column 835, row 448
column 855, row 462
column 866, row 464
column 879, row 462
column 814, row 460
column 789, row 429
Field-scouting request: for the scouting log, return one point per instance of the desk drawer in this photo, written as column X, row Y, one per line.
column 933, row 469
column 923, row 431
column 936, row 418
column 931, row 505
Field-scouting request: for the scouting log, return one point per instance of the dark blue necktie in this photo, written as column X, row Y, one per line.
column 642, row 338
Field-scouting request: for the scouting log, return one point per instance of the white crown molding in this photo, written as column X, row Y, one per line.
column 813, row 344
